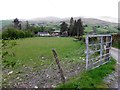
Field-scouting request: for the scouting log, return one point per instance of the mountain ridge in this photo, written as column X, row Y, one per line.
column 86, row 20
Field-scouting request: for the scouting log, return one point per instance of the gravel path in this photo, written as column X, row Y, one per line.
column 113, row 80
column 45, row 78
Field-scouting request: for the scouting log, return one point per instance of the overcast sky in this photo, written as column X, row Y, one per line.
column 27, row 9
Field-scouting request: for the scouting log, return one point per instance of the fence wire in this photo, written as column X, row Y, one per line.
column 50, row 76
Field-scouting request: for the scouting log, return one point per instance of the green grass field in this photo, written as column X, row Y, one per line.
column 36, row 51
column 36, row 54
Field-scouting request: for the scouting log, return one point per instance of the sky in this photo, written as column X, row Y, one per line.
column 28, row 9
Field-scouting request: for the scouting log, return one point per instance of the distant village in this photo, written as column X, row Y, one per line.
column 25, row 25
column 72, row 28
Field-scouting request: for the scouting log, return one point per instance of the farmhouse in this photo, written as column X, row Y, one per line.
column 43, row 34
column 65, row 34
column 56, row 33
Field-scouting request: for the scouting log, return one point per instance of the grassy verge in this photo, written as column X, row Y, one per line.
column 92, row 78
column 116, row 45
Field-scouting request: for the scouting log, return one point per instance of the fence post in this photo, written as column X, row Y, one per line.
column 59, row 67
column 111, row 40
column 101, row 48
column 110, row 44
column 87, row 48
column 107, row 46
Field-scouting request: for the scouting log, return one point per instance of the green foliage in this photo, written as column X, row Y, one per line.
column 88, row 29
column 116, row 45
column 71, row 27
column 12, row 33
column 91, row 79
column 76, row 28
column 37, row 29
column 7, row 44
column 116, row 40
column 80, row 28
column 100, row 29
column 64, row 27
column 0, row 35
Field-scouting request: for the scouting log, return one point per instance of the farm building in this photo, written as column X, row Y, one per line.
column 56, row 33
column 43, row 34
column 64, row 34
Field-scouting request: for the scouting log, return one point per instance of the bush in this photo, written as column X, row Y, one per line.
column 28, row 34
column 6, row 44
column 12, row 33
column 21, row 34
column 80, row 38
column 116, row 40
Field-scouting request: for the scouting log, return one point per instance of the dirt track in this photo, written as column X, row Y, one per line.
column 116, row 55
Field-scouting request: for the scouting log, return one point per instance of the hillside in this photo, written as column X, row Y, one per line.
column 52, row 21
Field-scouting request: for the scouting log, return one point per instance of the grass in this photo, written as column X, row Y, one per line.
column 102, row 31
column 30, row 51
column 116, row 45
column 92, row 78
column 36, row 54
column 88, row 29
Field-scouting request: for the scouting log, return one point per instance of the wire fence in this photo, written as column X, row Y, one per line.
column 50, row 76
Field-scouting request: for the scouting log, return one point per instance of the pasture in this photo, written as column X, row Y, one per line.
column 34, row 54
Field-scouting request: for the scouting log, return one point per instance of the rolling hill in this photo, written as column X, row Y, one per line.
column 56, row 20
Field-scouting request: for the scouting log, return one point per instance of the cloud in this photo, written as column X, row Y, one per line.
column 59, row 8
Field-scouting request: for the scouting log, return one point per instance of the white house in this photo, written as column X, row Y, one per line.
column 43, row 34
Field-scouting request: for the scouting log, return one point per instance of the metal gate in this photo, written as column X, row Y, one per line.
column 97, row 50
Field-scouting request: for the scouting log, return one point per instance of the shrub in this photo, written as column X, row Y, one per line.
column 6, row 44
column 116, row 40
column 21, row 34
column 80, row 38
column 12, row 33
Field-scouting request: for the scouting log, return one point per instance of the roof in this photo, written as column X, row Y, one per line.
column 57, row 31
column 43, row 33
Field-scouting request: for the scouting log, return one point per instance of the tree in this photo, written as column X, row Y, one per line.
column 75, row 29
column 71, row 30
column 94, row 29
column 80, row 28
column 27, row 25
column 17, row 23
column 63, row 27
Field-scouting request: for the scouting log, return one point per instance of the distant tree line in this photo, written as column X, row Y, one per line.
column 75, row 28
column 17, row 32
